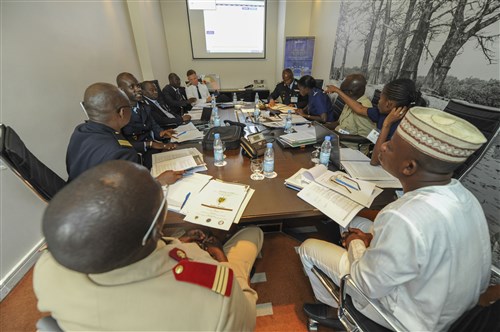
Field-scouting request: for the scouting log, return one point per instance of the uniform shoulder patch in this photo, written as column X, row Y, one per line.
column 124, row 142
column 177, row 254
column 218, row 278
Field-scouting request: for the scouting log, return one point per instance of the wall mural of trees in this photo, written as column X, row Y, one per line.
column 394, row 37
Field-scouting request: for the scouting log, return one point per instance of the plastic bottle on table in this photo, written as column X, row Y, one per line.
column 218, row 150
column 269, row 161
column 235, row 99
column 215, row 113
column 288, row 122
column 257, row 99
column 256, row 114
column 326, row 148
column 213, row 101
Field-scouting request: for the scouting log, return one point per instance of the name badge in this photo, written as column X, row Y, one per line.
column 373, row 136
column 294, row 100
column 343, row 131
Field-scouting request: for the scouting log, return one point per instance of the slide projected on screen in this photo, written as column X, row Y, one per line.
column 234, row 29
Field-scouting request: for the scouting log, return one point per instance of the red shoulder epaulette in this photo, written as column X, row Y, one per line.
column 218, row 278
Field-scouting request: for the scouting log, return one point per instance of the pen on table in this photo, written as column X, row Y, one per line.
column 346, row 184
column 185, row 199
column 181, row 133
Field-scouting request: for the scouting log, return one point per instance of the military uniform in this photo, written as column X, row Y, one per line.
column 354, row 124
column 320, row 103
column 287, row 92
column 178, row 287
column 142, row 127
column 94, row 143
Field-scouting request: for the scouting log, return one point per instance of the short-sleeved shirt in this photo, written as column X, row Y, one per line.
column 320, row 103
column 379, row 118
column 286, row 92
column 355, row 124
column 94, row 143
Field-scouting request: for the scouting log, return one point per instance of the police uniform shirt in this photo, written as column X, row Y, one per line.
column 287, row 92
column 141, row 127
column 93, row 143
column 320, row 103
column 148, row 295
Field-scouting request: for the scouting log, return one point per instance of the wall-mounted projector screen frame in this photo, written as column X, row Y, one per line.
column 227, row 29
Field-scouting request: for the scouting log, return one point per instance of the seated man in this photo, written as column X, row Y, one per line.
column 142, row 130
column 99, row 139
column 429, row 257
column 319, row 106
column 175, row 95
column 197, row 89
column 350, row 122
column 108, row 267
column 161, row 112
column 288, row 91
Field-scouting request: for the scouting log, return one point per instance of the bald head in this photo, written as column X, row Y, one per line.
column 103, row 100
column 96, row 223
column 354, row 85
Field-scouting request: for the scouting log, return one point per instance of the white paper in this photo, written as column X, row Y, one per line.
column 187, row 132
column 178, row 164
column 187, row 187
column 365, row 171
column 341, row 209
column 195, row 114
column 347, row 154
column 169, row 155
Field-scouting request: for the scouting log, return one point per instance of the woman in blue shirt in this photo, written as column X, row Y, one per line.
column 319, row 108
column 396, row 98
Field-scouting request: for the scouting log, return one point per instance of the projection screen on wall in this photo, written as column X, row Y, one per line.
column 227, row 29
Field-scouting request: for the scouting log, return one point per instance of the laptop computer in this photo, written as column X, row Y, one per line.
column 205, row 117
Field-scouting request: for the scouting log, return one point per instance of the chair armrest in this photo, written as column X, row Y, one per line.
column 330, row 286
column 346, row 281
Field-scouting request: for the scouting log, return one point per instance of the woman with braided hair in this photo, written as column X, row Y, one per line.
column 396, row 98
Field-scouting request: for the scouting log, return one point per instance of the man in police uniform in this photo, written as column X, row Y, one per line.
column 99, row 139
column 107, row 266
column 142, row 131
column 288, row 91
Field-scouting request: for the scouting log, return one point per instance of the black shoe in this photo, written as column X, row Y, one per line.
column 324, row 315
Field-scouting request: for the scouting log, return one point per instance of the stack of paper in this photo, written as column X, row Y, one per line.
column 282, row 108
column 302, row 135
column 297, row 181
column 179, row 193
column 178, row 160
column 335, row 194
column 187, row 132
column 364, row 171
column 218, row 205
column 278, row 121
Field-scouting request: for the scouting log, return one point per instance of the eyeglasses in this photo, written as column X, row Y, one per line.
column 345, row 182
column 145, row 238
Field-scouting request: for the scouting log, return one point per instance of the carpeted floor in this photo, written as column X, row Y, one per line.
column 281, row 295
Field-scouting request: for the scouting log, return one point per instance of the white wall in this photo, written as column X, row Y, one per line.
column 233, row 73
column 51, row 51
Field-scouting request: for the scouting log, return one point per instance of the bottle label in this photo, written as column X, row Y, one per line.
column 324, row 158
column 268, row 166
column 217, row 122
column 218, row 155
column 288, row 124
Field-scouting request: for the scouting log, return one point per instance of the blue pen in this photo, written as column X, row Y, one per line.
column 181, row 133
column 185, row 199
column 346, row 184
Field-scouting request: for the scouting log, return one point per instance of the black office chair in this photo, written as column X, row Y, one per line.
column 319, row 83
column 38, row 177
column 482, row 319
column 486, row 119
column 376, row 97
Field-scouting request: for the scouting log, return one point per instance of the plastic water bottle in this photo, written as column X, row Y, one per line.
column 215, row 112
column 269, row 161
column 213, row 101
column 235, row 99
column 218, row 150
column 326, row 147
column 288, row 122
column 256, row 114
column 257, row 99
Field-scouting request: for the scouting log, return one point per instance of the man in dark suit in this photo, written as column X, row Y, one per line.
column 175, row 95
column 161, row 113
column 146, row 136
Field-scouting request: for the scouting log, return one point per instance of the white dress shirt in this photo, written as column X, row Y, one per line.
column 191, row 92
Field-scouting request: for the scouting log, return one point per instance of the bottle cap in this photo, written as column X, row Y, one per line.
column 216, row 135
column 269, row 145
column 328, row 138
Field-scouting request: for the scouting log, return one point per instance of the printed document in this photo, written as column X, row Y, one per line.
column 185, row 189
column 183, row 159
column 187, row 132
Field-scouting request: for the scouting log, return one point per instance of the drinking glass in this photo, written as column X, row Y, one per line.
column 315, row 156
column 256, row 167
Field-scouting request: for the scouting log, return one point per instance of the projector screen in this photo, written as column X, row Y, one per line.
column 227, row 29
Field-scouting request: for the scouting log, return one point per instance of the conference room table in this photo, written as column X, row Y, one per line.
column 272, row 201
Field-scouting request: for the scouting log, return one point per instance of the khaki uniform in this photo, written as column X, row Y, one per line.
column 147, row 295
column 356, row 124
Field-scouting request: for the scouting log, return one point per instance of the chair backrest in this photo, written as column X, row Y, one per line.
column 486, row 119
column 42, row 180
column 319, row 83
column 338, row 106
column 376, row 97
